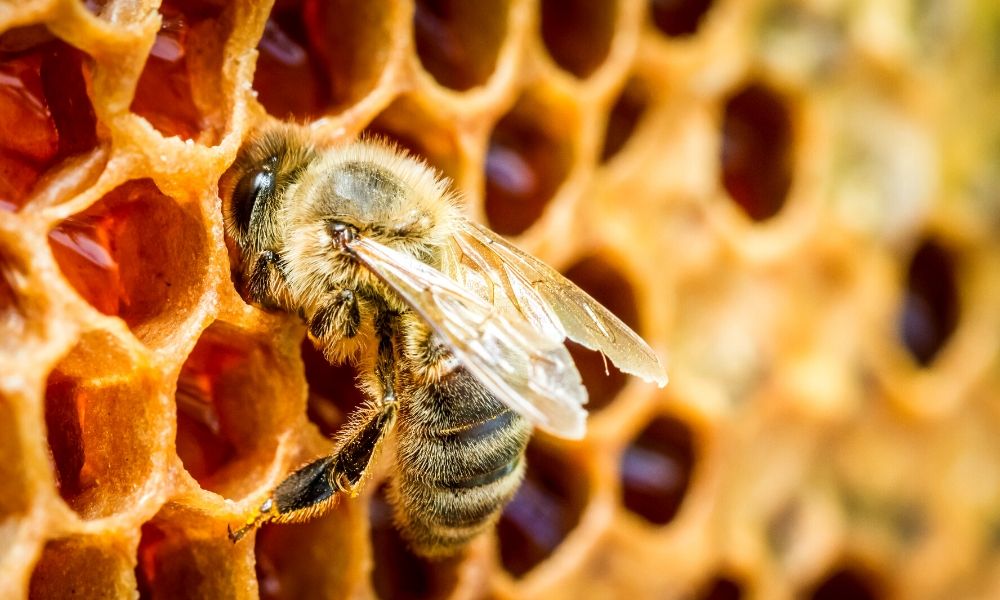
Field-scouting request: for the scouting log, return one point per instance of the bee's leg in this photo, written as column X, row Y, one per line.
column 312, row 489
column 339, row 317
column 265, row 281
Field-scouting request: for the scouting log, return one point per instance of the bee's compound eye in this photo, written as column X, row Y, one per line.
column 250, row 187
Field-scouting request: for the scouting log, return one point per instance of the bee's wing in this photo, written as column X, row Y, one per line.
column 528, row 371
column 530, row 283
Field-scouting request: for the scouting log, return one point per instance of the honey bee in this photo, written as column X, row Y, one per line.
column 457, row 336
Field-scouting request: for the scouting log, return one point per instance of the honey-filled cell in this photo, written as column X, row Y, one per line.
column 656, row 470
column 105, row 423
column 333, row 390
column 234, row 397
column 578, row 33
column 106, row 252
column 528, row 158
column 45, row 110
column 458, row 42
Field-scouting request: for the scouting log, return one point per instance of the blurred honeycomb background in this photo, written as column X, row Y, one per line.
column 796, row 201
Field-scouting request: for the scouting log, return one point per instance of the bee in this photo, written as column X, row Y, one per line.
column 457, row 335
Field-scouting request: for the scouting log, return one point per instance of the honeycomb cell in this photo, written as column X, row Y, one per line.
column 164, row 94
column 135, row 254
column 545, row 510
column 930, row 309
column 846, row 584
column 678, row 18
column 656, row 470
column 290, row 80
column 297, row 560
column 528, row 158
column 83, row 567
column 333, row 391
column 105, row 421
column 398, row 573
column 756, row 161
column 332, row 53
column 624, row 117
column 721, row 588
column 45, row 111
column 458, row 42
column 235, row 395
column 607, row 285
column 578, row 33
column 173, row 562
column 408, row 125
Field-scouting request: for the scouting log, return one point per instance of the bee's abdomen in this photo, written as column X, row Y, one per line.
column 460, row 459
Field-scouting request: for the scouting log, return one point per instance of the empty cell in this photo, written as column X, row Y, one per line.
column 545, row 510
column 399, row 574
column 45, row 111
column 757, row 145
column 656, row 470
column 405, row 124
column 678, row 18
column 83, row 567
column 290, row 80
column 610, row 288
column 135, row 254
column 164, row 96
column 624, row 117
column 930, row 310
column 174, row 562
column 333, row 391
column 528, row 158
column 458, row 42
column 105, row 422
column 235, row 395
column 578, row 33
column 846, row 584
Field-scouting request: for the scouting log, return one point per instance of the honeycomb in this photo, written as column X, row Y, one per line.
column 796, row 201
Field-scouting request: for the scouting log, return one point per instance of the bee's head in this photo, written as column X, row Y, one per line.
column 254, row 190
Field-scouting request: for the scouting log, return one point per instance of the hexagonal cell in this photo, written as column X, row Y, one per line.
column 16, row 492
column 458, row 42
column 847, row 584
column 45, row 111
column 624, row 117
column 83, row 567
column 529, row 157
column 235, row 395
column 191, row 35
column 398, row 573
column 135, row 254
column 319, row 56
column 195, row 562
column 105, row 422
column 577, row 33
column 656, row 470
column 930, row 310
column 678, row 18
column 721, row 588
column 607, row 285
column 296, row 560
column 333, row 391
column 757, row 146
column 545, row 510
column 407, row 124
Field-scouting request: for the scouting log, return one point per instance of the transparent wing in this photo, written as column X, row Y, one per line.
column 532, row 287
column 529, row 371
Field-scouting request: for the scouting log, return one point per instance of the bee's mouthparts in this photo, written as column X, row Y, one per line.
column 342, row 233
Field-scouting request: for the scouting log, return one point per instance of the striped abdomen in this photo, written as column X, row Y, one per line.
column 460, row 458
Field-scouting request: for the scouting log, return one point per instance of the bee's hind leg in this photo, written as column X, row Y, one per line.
column 312, row 489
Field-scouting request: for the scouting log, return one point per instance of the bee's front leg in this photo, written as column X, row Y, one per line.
column 338, row 317
column 265, row 283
